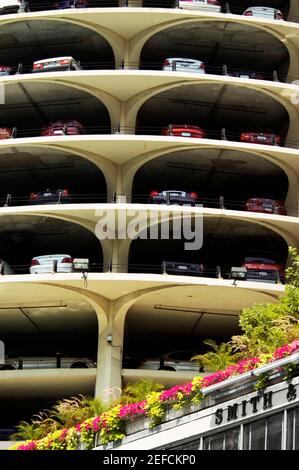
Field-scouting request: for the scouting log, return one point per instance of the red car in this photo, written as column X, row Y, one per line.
column 6, row 133
column 5, row 70
column 263, row 270
column 184, row 130
column 63, row 128
column 267, row 206
column 265, row 138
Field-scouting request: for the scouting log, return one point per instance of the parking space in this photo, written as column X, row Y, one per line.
column 24, row 237
column 175, row 321
column 28, row 41
column 213, row 107
column 31, row 109
column 240, row 47
column 234, row 175
column 27, row 171
column 226, row 243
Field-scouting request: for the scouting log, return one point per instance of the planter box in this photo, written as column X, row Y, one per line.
column 139, row 424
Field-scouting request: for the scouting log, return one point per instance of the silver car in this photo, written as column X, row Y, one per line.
column 55, row 64
column 180, row 64
column 13, row 6
column 264, row 12
column 47, row 362
column 204, row 5
column 179, row 361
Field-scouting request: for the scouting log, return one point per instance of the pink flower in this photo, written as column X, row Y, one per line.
column 29, row 446
column 96, row 423
column 132, row 409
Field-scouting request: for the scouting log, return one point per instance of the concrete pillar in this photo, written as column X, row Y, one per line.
column 293, row 11
column 110, row 348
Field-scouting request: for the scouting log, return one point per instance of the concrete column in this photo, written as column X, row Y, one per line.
column 110, row 348
column 294, row 10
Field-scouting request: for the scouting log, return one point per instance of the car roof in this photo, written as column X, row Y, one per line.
column 54, row 58
column 182, row 58
column 47, row 256
column 262, row 8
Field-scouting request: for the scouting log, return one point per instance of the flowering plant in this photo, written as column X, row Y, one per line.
column 111, row 424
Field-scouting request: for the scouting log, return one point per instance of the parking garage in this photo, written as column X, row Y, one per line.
column 28, row 41
column 239, row 47
column 26, row 170
column 222, row 110
column 219, row 176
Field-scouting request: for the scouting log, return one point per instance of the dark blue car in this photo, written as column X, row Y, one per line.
column 71, row 4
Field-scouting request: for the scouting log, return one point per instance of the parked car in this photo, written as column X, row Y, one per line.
column 178, row 64
column 50, row 263
column 246, row 74
column 180, row 267
column 13, row 6
column 47, row 362
column 5, row 268
column 264, row 12
column 56, row 64
column 71, row 4
column 184, row 130
column 7, row 133
column 5, row 70
column 265, row 138
column 263, row 270
column 63, row 128
column 179, row 361
column 267, row 206
column 172, row 197
column 50, row 196
column 204, row 5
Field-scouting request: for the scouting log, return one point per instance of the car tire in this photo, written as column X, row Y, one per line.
column 79, row 365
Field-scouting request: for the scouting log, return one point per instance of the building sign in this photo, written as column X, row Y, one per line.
column 256, row 404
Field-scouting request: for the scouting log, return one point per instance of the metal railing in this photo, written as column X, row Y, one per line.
column 221, row 70
column 209, row 271
column 11, row 200
column 226, row 7
column 220, row 202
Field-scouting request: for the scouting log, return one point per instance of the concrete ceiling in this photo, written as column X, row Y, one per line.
column 28, row 41
column 23, row 171
column 29, row 106
column 22, row 237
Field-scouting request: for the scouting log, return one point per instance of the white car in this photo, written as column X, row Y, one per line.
column 204, row 5
column 173, row 361
column 264, row 12
column 52, row 263
column 48, row 362
column 179, row 64
column 13, row 6
column 56, row 64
